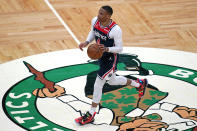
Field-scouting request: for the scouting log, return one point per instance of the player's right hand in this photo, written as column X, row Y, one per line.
column 82, row 45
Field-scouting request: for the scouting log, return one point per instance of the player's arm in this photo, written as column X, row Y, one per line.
column 116, row 33
column 90, row 37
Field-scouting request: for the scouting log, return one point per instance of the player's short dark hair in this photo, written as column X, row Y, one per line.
column 108, row 9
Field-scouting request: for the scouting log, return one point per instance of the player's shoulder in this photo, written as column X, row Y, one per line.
column 116, row 28
column 94, row 20
column 115, row 25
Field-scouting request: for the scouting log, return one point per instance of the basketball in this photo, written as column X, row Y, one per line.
column 94, row 52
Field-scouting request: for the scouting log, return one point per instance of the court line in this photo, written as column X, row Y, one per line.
column 62, row 21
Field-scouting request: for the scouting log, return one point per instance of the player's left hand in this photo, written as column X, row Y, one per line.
column 103, row 48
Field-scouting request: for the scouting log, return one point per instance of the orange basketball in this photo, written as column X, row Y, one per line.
column 94, row 52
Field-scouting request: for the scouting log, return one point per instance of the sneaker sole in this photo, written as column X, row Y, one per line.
column 85, row 123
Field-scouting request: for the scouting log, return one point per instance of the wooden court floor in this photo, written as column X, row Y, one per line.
column 29, row 27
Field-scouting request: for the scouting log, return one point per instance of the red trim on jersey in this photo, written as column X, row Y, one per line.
column 106, row 29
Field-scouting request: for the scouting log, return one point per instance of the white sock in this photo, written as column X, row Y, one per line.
column 92, row 110
column 134, row 83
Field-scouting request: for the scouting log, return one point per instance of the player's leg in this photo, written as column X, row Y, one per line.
column 118, row 80
column 140, row 84
column 97, row 94
column 102, row 76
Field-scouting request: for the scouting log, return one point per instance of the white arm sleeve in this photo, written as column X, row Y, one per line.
column 91, row 36
column 116, row 33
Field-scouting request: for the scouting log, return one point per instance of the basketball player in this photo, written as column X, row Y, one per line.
column 108, row 36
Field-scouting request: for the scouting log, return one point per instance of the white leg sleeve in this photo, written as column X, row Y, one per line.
column 117, row 80
column 98, row 88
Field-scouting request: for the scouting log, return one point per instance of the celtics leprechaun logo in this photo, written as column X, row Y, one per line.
column 50, row 100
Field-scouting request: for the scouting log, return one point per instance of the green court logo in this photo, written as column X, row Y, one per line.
column 24, row 102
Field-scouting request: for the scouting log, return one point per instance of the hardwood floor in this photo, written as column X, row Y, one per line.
column 29, row 27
